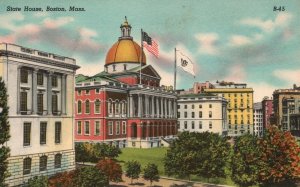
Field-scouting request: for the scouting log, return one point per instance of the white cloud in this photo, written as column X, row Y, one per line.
column 8, row 20
column 261, row 90
column 237, row 73
column 238, row 40
column 90, row 68
column 290, row 76
column 56, row 23
column 208, row 43
column 87, row 33
column 268, row 25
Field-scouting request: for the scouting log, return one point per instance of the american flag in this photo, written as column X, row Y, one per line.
column 150, row 44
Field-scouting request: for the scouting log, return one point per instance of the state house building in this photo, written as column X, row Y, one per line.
column 116, row 107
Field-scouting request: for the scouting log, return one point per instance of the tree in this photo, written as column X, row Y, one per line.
column 151, row 173
column 280, row 157
column 111, row 169
column 133, row 170
column 213, row 156
column 38, row 181
column 102, row 150
column 245, row 160
column 81, row 154
column 90, row 177
column 4, row 133
column 63, row 179
column 204, row 154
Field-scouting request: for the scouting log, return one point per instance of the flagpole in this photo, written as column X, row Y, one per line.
column 141, row 56
column 175, row 70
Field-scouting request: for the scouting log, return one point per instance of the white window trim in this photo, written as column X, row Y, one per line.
column 110, row 123
column 99, row 106
column 98, row 91
column 124, row 130
column 99, row 128
column 77, row 128
column 85, row 127
column 88, row 93
column 118, row 126
column 78, row 107
column 85, row 106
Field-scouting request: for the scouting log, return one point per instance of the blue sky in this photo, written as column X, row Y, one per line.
column 231, row 40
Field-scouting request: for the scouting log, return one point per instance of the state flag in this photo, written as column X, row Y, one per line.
column 185, row 63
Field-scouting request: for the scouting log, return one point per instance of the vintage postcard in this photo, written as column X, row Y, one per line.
column 159, row 93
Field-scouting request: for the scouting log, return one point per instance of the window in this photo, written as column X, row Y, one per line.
column 117, row 109
column 124, row 127
column 193, row 114
column 97, row 90
column 193, row 125
column 178, row 114
column 87, row 92
column 210, row 114
column 24, row 76
column 110, row 107
column 210, row 105
column 185, row 114
column 79, row 127
column 210, row 125
column 200, row 114
column 110, row 128
column 79, row 107
column 125, row 66
column 26, row 166
column 54, row 81
column 97, row 106
column 26, row 134
column 43, row 132
column 43, row 163
column 185, row 124
column 124, row 108
column 86, row 127
column 193, row 106
column 97, row 128
column 200, row 124
column 178, row 106
column 57, row 132
column 79, row 92
column 87, row 106
column 185, row 106
column 54, row 104
column 40, row 79
column 114, row 67
column 117, row 127
column 200, row 106
column 23, row 101
column 57, row 161
column 40, row 103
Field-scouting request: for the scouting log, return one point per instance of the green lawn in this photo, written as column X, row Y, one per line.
column 144, row 156
column 156, row 155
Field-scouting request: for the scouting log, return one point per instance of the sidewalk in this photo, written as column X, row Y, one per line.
column 163, row 182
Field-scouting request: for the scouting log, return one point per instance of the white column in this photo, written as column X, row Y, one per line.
column 175, row 109
column 152, row 106
column 139, row 105
column 161, row 107
column 157, row 107
column 130, row 106
column 49, row 93
column 34, row 92
column 18, row 89
column 165, row 108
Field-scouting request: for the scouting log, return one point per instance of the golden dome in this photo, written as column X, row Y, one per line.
column 125, row 50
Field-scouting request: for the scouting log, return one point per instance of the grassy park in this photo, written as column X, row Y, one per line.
column 156, row 156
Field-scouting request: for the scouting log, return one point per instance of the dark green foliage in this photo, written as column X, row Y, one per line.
column 38, row 181
column 90, row 177
column 151, row 173
column 204, row 154
column 4, row 133
column 133, row 170
column 90, row 152
column 245, row 160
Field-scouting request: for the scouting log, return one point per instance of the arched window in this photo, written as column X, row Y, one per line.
column 117, row 108
column 87, row 106
column 43, row 163
column 26, row 166
column 97, row 106
column 57, row 160
column 110, row 107
column 124, row 108
column 79, row 107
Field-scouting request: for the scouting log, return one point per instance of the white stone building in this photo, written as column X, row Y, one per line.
column 40, row 86
column 202, row 112
column 258, row 119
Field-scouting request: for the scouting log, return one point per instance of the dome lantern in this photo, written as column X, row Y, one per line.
column 125, row 30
